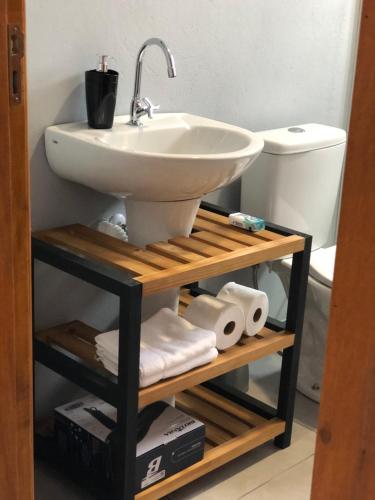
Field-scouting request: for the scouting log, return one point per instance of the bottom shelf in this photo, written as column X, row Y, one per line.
column 231, row 431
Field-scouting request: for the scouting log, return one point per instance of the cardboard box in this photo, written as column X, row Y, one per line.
column 169, row 439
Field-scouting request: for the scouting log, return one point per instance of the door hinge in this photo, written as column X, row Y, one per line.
column 15, row 54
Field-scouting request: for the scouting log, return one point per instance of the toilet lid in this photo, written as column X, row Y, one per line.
column 322, row 264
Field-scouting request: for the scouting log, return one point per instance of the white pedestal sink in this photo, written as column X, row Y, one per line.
column 161, row 170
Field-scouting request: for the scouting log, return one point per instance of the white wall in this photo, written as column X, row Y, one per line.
column 255, row 63
column 259, row 64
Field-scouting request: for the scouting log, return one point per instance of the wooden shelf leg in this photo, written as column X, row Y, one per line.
column 294, row 322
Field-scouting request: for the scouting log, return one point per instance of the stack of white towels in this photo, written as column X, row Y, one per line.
column 170, row 345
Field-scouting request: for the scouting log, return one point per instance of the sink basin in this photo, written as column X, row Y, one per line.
column 175, row 156
column 162, row 170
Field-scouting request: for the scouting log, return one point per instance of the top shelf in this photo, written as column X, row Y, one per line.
column 215, row 247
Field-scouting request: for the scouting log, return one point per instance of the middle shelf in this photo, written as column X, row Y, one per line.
column 69, row 350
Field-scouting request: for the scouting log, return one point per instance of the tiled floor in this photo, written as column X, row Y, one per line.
column 266, row 473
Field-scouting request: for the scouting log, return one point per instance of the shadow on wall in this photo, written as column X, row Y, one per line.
column 60, row 298
column 227, row 198
column 73, row 107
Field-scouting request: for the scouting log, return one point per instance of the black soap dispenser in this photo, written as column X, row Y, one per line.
column 101, row 92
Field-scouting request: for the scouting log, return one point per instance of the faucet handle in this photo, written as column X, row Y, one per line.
column 150, row 108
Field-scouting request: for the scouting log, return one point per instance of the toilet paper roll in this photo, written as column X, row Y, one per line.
column 253, row 303
column 225, row 319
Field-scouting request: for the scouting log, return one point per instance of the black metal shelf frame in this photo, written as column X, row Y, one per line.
column 122, row 391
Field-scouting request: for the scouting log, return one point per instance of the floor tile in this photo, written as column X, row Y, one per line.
column 293, row 484
column 250, row 471
column 53, row 485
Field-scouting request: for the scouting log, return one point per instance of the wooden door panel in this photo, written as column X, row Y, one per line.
column 16, row 457
column 345, row 455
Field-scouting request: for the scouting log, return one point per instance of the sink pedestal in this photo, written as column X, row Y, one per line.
column 153, row 221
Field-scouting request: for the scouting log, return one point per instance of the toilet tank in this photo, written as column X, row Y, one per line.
column 295, row 181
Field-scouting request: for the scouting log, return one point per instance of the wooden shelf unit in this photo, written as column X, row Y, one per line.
column 235, row 422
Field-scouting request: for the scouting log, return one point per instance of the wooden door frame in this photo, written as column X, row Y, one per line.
column 344, row 466
column 16, row 457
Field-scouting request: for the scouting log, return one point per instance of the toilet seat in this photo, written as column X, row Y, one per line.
column 322, row 264
column 318, row 295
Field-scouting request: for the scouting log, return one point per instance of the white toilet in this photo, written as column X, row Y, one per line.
column 295, row 183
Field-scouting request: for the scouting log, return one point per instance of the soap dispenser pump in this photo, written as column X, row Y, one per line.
column 101, row 92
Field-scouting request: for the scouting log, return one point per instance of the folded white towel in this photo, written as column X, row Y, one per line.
column 170, row 345
column 151, row 364
column 175, row 338
column 145, row 380
column 200, row 360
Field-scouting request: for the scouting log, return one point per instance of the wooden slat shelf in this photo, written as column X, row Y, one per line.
column 249, row 349
column 231, row 431
column 79, row 339
column 215, row 247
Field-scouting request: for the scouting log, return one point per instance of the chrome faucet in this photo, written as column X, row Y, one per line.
column 142, row 105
